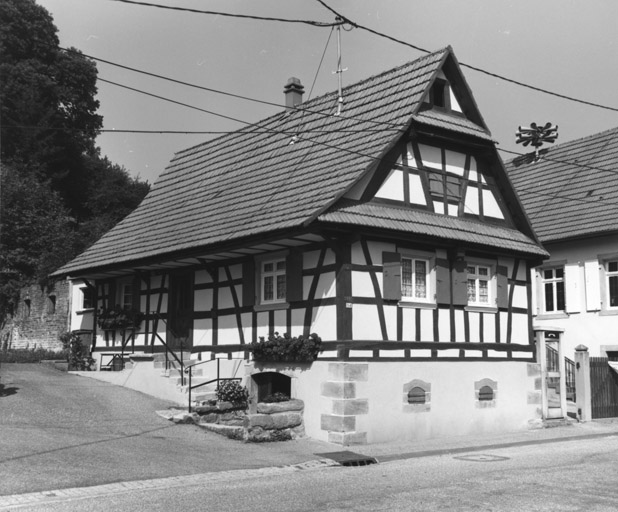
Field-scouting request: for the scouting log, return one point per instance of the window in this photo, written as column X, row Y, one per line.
column 273, row 281
column 126, row 295
column 51, row 305
column 611, row 274
column 87, row 298
column 479, row 285
column 417, row 395
column 553, row 289
column 409, row 277
column 414, row 279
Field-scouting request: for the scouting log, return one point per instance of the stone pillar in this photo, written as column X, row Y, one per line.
column 346, row 406
column 583, row 397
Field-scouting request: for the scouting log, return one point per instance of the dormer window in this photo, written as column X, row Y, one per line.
column 439, row 94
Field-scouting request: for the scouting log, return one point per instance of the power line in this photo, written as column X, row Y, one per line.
column 230, row 15
column 474, row 68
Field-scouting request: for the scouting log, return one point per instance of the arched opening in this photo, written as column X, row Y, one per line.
column 417, row 395
column 269, row 383
column 486, row 393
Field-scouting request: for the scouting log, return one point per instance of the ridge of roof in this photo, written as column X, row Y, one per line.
column 258, row 179
column 579, row 184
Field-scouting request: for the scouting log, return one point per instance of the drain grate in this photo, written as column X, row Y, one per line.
column 346, row 458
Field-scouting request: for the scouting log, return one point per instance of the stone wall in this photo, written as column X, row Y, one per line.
column 279, row 421
column 41, row 316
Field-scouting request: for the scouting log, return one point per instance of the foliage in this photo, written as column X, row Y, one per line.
column 232, row 391
column 37, row 234
column 58, row 195
column 118, row 318
column 30, row 355
column 287, row 349
column 78, row 357
column 276, row 397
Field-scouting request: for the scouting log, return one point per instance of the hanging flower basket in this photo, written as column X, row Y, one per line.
column 119, row 319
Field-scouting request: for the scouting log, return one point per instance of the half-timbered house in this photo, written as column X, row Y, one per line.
column 391, row 230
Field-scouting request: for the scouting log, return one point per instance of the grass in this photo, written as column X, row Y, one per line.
column 30, row 355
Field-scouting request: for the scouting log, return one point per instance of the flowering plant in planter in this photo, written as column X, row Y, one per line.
column 118, row 318
column 285, row 348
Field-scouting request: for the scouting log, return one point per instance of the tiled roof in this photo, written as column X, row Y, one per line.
column 255, row 181
column 572, row 191
column 433, row 225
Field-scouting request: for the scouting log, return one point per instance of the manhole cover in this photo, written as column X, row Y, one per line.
column 481, row 457
column 349, row 458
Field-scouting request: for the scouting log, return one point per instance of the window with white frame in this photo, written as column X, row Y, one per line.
column 611, row 276
column 415, row 282
column 125, row 294
column 479, row 285
column 553, row 296
column 87, row 298
column 273, row 281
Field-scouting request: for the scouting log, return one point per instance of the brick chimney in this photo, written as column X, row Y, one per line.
column 293, row 91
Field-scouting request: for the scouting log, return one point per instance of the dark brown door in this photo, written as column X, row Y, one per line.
column 180, row 311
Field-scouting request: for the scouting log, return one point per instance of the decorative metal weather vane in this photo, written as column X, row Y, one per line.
column 536, row 136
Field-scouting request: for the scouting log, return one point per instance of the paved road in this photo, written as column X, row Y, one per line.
column 59, row 430
column 553, row 477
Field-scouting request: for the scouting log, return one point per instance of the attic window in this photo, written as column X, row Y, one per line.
column 440, row 94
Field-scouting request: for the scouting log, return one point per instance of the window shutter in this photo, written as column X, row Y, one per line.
column 111, row 294
column 460, row 283
column 443, row 281
column 294, row 277
column 593, row 289
column 571, row 288
column 391, row 275
column 248, row 283
column 502, row 287
column 534, row 291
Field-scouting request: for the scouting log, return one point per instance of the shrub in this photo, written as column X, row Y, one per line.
column 118, row 318
column 287, row 349
column 276, row 397
column 232, row 391
column 77, row 356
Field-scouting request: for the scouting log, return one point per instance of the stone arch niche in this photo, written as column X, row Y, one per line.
column 269, row 383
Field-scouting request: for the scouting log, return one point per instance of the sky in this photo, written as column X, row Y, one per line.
column 568, row 47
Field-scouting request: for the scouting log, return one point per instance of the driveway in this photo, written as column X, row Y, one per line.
column 60, row 430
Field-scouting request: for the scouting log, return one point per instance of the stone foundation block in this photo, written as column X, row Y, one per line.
column 351, row 407
column 336, row 423
column 271, row 408
column 347, row 438
column 338, row 389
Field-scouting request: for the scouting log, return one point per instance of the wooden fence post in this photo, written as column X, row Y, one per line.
column 583, row 397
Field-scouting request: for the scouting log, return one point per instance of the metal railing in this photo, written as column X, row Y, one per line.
column 189, row 371
column 569, row 370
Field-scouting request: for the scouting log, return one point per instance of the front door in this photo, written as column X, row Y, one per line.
column 553, row 372
column 180, row 311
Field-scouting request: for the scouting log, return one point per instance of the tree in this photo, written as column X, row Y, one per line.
column 48, row 105
column 37, row 234
column 57, row 195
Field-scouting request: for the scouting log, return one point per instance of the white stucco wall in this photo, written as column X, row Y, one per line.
column 586, row 322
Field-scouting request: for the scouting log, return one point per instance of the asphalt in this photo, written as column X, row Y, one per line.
column 59, row 429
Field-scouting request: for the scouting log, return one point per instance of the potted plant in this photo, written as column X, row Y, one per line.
column 118, row 318
column 287, row 349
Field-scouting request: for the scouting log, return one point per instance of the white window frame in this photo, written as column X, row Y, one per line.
column 430, row 276
column 275, row 273
column 123, row 284
column 478, row 277
column 554, row 280
column 607, row 276
column 85, row 291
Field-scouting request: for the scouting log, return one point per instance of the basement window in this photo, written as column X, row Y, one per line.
column 417, row 395
column 486, row 393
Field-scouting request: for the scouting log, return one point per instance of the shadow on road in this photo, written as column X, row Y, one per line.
column 7, row 390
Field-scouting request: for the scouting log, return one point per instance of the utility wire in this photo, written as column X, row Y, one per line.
column 230, row 15
column 474, row 68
